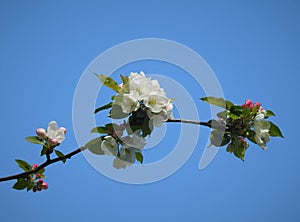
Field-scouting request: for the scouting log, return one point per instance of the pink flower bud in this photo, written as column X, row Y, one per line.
column 40, row 182
column 63, row 129
column 34, row 166
column 256, row 104
column 38, row 175
column 53, row 142
column 247, row 104
column 41, row 133
column 44, row 186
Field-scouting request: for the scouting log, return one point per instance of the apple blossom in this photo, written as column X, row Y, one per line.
column 261, row 129
column 109, row 146
column 125, row 158
column 56, row 135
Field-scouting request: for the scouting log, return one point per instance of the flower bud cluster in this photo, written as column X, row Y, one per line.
column 54, row 135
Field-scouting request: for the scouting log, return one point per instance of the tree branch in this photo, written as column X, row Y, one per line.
column 213, row 126
column 50, row 161
column 47, row 163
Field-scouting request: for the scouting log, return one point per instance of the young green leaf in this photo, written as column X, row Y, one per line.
column 35, row 140
column 107, row 106
column 30, row 185
column 24, row 165
column 44, row 150
column 99, row 129
column 125, row 87
column 239, row 151
column 218, row 138
column 94, row 146
column 139, row 157
column 269, row 113
column 218, row 102
column 274, row 130
column 41, row 171
column 60, row 155
column 109, row 82
column 21, row 184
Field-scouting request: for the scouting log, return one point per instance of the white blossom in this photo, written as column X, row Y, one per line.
column 109, row 146
column 261, row 128
column 55, row 133
column 125, row 158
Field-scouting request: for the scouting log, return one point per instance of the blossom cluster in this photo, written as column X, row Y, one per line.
column 53, row 135
column 145, row 93
column 146, row 105
column 40, row 184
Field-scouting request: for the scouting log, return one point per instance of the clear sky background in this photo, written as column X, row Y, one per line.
column 253, row 48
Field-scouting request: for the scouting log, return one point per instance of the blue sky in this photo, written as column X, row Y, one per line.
column 253, row 48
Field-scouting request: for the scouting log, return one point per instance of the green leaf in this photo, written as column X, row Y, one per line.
column 230, row 148
column 21, row 184
column 94, row 146
column 30, row 185
column 218, row 138
column 269, row 113
column 239, row 151
column 223, row 114
column 139, row 157
column 109, row 82
column 218, row 102
column 99, row 129
column 107, row 106
column 274, row 130
column 251, row 136
column 213, row 123
column 40, row 171
column 35, row 140
column 147, row 127
column 116, row 112
column 44, row 150
column 60, row 155
column 24, row 165
column 125, row 80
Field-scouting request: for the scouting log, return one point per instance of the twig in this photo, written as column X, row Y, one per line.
column 208, row 124
column 47, row 163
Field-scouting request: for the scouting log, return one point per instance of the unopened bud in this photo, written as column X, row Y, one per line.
column 53, row 142
column 34, row 166
column 247, row 104
column 44, row 186
column 41, row 133
column 38, row 175
column 256, row 104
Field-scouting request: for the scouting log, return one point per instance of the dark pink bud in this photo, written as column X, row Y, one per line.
column 256, row 104
column 44, row 186
column 34, row 166
column 38, row 175
column 40, row 182
column 41, row 133
column 247, row 104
